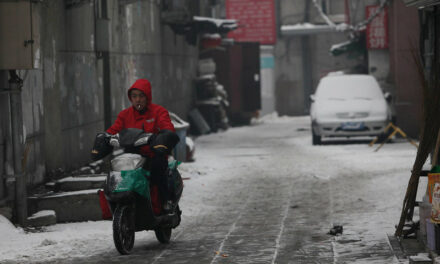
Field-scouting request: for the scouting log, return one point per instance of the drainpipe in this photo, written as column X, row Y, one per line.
column 15, row 85
column 105, row 53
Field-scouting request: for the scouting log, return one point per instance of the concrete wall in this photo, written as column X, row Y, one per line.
column 379, row 64
column 63, row 103
column 290, row 87
column 404, row 42
column 145, row 48
column 289, row 91
column 267, row 64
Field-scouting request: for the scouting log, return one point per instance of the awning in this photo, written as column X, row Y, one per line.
column 421, row 3
column 215, row 25
column 183, row 24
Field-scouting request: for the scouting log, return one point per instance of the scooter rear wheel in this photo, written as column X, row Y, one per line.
column 163, row 234
column 123, row 229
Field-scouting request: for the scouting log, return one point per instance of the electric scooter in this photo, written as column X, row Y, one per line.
column 132, row 196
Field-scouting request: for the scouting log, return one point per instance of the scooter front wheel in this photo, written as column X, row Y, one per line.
column 123, row 229
column 163, row 234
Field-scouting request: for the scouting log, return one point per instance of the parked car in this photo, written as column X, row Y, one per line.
column 347, row 106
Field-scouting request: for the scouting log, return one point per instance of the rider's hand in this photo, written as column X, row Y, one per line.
column 163, row 142
column 101, row 147
column 160, row 150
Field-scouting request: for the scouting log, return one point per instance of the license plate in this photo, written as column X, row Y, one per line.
column 352, row 126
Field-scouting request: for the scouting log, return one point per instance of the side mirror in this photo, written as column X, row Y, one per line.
column 312, row 97
column 388, row 97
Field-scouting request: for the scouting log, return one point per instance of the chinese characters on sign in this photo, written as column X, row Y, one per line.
column 256, row 20
column 377, row 30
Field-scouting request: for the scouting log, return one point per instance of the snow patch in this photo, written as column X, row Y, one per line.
column 7, row 229
column 73, row 179
column 42, row 214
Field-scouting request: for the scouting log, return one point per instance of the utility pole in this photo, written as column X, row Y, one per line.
column 15, row 85
column 306, row 60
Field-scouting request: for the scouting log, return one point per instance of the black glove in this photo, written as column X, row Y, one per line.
column 101, row 147
column 163, row 142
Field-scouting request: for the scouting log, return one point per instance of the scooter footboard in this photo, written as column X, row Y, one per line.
column 145, row 218
column 120, row 197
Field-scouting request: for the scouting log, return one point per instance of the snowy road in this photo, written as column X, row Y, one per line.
column 260, row 194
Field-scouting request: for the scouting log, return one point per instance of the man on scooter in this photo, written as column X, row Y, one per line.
column 151, row 118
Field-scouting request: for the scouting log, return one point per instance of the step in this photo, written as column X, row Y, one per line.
column 42, row 218
column 73, row 206
column 78, row 183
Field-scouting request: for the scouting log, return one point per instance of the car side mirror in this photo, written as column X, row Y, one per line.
column 388, row 97
column 312, row 97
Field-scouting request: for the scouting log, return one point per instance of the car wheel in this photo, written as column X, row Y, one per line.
column 316, row 140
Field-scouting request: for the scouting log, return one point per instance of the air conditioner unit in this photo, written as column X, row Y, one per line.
column 20, row 36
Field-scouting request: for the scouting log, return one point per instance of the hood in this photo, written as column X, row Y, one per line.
column 337, row 108
column 143, row 85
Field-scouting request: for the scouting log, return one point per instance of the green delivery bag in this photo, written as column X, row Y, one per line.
column 136, row 180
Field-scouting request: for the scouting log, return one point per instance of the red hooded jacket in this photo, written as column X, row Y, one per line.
column 154, row 119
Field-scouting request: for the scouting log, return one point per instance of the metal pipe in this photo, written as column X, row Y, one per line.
column 17, row 148
column 106, row 75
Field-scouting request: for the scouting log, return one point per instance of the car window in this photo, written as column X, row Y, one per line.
column 348, row 87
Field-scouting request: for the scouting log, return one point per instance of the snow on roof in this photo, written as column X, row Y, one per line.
column 218, row 22
column 300, row 26
column 340, row 45
column 308, row 28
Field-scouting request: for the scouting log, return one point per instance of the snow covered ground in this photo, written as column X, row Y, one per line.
column 390, row 168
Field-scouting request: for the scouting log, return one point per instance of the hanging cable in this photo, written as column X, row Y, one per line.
column 323, row 15
column 362, row 25
column 359, row 26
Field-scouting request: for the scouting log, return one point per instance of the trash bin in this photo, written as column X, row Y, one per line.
column 181, row 127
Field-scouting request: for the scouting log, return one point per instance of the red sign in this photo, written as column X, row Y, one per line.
column 256, row 20
column 377, row 30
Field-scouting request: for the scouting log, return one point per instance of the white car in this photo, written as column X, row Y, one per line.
column 348, row 105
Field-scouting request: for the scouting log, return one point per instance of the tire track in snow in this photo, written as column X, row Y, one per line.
column 231, row 229
column 165, row 250
column 285, row 213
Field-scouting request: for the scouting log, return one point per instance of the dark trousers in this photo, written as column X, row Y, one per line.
column 159, row 165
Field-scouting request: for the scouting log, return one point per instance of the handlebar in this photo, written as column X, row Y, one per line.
column 142, row 140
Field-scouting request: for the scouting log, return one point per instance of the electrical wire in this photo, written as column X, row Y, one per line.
column 359, row 26
column 323, row 15
column 362, row 25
